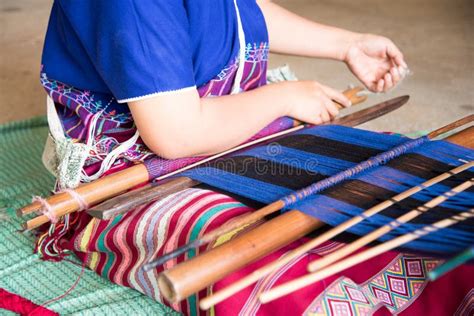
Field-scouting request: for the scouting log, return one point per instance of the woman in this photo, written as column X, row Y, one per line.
column 184, row 76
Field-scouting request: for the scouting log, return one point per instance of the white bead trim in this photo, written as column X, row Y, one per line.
column 151, row 95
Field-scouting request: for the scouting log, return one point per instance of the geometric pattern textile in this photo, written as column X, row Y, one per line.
column 395, row 288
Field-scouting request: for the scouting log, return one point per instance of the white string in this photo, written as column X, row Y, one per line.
column 82, row 150
column 240, row 69
column 93, row 126
column 112, row 157
column 55, row 127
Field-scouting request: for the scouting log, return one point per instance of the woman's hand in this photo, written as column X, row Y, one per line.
column 312, row 102
column 376, row 61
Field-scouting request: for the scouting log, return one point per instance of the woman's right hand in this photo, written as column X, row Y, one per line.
column 230, row 120
column 312, row 102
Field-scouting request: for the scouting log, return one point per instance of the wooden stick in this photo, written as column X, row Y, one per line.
column 63, row 203
column 132, row 199
column 273, row 207
column 239, row 285
column 224, row 229
column 112, row 207
column 185, row 279
column 379, row 232
column 93, row 192
column 464, row 137
column 306, row 280
column 452, row 126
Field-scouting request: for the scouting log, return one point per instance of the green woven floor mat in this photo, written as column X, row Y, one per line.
column 22, row 175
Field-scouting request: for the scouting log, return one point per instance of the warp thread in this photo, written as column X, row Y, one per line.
column 378, row 160
column 67, row 292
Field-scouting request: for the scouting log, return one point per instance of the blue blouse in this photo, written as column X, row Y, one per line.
column 131, row 49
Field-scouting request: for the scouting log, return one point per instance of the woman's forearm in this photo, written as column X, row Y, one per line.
column 295, row 35
column 183, row 125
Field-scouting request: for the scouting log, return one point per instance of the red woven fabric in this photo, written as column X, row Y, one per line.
column 20, row 305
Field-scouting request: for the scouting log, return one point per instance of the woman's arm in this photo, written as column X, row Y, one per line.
column 182, row 124
column 294, row 35
column 375, row 60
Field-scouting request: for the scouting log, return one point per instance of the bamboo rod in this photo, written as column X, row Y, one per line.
column 239, row 285
column 92, row 193
column 211, row 236
column 447, row 128
column 277, row 205
column 132, row 199
column 62, row 203
column 304, row 281
column 464, row 137
column 379, row 232
column 185, row 279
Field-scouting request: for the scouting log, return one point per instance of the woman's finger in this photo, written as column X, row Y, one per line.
column 317, row 120
column 337, row 96
column 325, row 115
column 388, row 82
column 395, row 75
column 380, row 85
column 332, row 109
column 372, row 86
column 403, row 71
column 397, row 56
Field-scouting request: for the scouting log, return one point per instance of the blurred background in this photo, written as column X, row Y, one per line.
column 436, row 37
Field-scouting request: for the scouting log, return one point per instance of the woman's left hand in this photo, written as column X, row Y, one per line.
column 376, row 61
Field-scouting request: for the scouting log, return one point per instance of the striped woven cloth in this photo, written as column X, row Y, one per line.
column 24, row 273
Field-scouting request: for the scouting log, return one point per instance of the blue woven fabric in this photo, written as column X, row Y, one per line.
column 316, row 153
